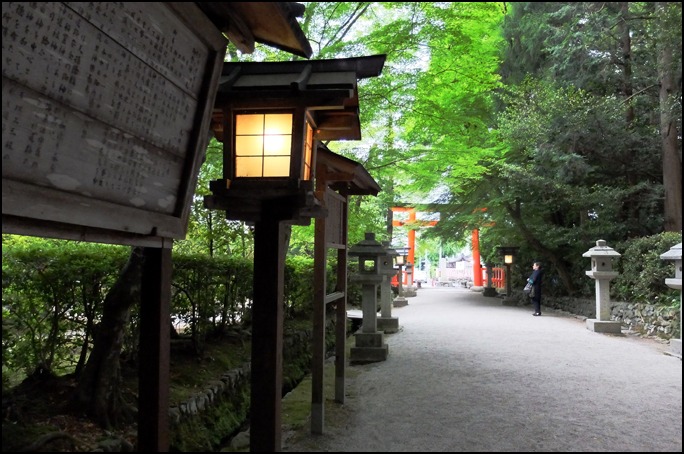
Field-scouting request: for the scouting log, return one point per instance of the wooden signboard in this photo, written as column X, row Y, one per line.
column 105, row 117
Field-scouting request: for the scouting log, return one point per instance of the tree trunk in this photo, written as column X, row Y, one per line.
column 626, row 50
column 672, row 162
column 99, row 388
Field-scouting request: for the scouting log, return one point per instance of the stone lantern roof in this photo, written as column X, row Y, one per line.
column 675, row 253
column 601, row 250
column 368, row 247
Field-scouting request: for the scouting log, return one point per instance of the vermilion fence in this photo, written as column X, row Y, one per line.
column 454, row 275
column 498, row 277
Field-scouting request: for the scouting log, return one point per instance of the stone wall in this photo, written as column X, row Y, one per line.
column 204, row 421
column 646, row 319
column 209, row 418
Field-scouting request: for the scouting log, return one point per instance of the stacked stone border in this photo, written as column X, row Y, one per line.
column 647, row 320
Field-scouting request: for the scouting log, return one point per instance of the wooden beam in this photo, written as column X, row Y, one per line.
column 341, row 308
column 154, row 355
column 267, row 335
column 334, row 297
column 318, row 330
column 239, row 33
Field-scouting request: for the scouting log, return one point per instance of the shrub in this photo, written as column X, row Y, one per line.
column 643, row 273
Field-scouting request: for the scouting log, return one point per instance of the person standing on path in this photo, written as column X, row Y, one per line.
column 536, row 280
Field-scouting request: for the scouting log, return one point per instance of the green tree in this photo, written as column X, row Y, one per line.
column 99, row 386
column 580, row 158
column 623, row 50
column 209, row 232
column 669, row 48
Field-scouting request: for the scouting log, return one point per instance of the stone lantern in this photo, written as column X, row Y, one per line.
column 602, row 272
column 386, row 322
column 489, row 289
column 675, row 254
column 509, row 254
column 370, row 346
column 409, row 289
column 401, row 261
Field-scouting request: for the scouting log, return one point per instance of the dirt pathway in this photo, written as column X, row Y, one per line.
column 466, row 373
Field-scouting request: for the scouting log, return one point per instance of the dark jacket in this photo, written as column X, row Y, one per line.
column 536, row 280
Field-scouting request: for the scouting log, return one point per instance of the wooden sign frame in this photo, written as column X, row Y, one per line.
column 106, row 111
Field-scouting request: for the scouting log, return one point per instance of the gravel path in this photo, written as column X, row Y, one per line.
column 466, row 373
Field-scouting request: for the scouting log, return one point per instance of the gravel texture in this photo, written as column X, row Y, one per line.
column 468, row 373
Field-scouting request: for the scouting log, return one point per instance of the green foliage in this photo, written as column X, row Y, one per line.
column 52, row 293
column 518, row 108
column 553, row 193
column 367, row 214
column 209, row 232
column 210, row 294
column 298, row 292
column 643, row 273
column 302, row 240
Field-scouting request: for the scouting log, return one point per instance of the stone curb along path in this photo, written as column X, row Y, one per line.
column 466, row 373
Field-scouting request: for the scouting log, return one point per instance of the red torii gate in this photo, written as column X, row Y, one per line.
column 412, row 221
column 477, row 268
column 475, row 240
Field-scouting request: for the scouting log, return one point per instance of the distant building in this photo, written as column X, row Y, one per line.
column 455, row 270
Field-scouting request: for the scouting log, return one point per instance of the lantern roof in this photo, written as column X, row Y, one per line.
column 271, row 23
column 369, row 246
column 344, row 175
column 601, row 250
column 508, row 249
column 327, row 88
column 675, row 253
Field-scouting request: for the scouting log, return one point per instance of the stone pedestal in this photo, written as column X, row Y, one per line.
column 387, row 323
column 602, row 272
column 410, row 291
column 400, row 301
column 602, row 323
column 369, row 342
column 675, row 348
column 490, row 291
column 675, row 254
column 604, row 326
column 369, row 348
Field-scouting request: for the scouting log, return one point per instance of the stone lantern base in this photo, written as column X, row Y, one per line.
column 675, row 348
column 370, row 348
column 489, row 291
column 399, row 301
column 410, row 291
column 388, row 325
column 599, row 326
